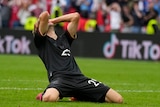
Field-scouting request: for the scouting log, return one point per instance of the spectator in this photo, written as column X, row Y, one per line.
column 109, row 2
column 127, row 19
column 23, row 12
column 115, row 17
column 58, row 3
column 151, row 13
column 123, row 2
column 85, row 7
column 101, row 10
column 47, row 4
column 152, row 27
column 91, row 23
column 137, row 17
column 14, row 20
column 71, row 7
column 68, row 6
column 36, row 8
column 5, row 14
column 157, row 8
column 57, row 10
column 41, row 4
column 30, row 21
column 150, row 19
column 143, row 5
column 81, row 25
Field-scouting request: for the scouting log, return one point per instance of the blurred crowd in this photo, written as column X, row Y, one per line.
column 126, row 16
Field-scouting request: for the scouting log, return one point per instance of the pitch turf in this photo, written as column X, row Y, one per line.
column 22, row 77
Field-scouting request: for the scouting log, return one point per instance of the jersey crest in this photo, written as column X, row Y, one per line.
column 66, row 52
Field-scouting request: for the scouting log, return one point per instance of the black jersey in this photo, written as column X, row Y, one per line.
column 56, row 55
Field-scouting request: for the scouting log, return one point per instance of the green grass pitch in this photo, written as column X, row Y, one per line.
column 23, row 77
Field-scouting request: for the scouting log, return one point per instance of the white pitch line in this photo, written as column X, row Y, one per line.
column 126, row 91
column 127, row 84
column 8, row 80
column 140, row 91
column 16, row 88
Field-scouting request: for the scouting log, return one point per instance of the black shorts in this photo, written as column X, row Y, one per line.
column 83, row 89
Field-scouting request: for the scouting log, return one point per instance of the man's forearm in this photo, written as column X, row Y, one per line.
column 43, row 22
column 65, row 18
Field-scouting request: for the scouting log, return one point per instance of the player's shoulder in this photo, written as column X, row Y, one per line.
column 36, row 33
column 68, row 36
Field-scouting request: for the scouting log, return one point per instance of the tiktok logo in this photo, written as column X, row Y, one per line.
column 11, row 44
column 131, row 48
column 109, row 48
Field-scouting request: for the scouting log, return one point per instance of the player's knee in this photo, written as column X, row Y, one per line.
column 113, row 97
column 49, row 98
column 51, row 95
column 119, row 100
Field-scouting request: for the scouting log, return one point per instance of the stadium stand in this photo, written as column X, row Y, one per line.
column 124, row 16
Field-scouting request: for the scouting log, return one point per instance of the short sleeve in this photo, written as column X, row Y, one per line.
column 69, row 38
column 38, row 39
